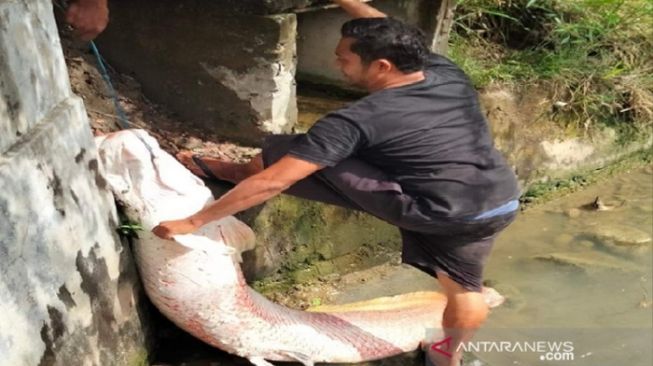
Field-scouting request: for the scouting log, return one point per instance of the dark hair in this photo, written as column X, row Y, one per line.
column 388, row 38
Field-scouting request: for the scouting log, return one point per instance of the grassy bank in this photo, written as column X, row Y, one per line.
column 595, row 57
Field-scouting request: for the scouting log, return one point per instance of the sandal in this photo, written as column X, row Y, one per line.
column 197, row 159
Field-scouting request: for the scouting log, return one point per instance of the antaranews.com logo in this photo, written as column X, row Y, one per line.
column 547, row 350
column 543, row 349
column 550, row 346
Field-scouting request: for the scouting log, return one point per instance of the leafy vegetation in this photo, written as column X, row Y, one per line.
column 128, row 228
column 594, row 56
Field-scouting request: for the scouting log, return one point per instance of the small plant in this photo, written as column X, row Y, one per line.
column 129, row 229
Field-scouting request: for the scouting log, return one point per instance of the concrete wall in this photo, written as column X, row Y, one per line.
column 319, row 32
column 227, row 74
column 68, row 288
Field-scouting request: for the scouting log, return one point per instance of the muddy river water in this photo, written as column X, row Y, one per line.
column 578, row 281
column 580, row 275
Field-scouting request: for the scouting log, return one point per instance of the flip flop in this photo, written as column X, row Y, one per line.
column 197, row 159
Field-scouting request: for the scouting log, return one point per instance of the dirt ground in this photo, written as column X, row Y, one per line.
column 171, row 131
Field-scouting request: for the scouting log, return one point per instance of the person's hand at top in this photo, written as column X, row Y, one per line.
column 358, row 9
column 88, row 17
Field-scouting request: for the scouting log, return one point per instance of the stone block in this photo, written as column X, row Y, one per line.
column 228, row 75
column 31, row 66
column 292, row 233
column 69, row 291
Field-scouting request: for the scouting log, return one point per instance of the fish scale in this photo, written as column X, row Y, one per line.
column 195, row 280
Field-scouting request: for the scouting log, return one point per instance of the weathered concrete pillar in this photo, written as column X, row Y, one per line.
column 68, row 288
column 445, row 18
column 227, row 74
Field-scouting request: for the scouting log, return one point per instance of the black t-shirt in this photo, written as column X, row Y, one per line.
column 431, row 137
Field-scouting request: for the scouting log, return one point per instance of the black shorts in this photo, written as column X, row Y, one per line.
column 457, row 247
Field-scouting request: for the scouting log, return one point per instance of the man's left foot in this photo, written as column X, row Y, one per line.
column 200, row 165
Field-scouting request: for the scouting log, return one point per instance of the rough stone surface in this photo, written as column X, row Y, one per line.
column 620, row 240
column 293, row 233
column 587, row 261
column 69, row 293
column 233, row 76
column 539, row 148
column 622, row 236
column 23, row 39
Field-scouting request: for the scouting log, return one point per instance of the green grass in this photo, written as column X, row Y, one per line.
column 128, row 228
column 594, row 56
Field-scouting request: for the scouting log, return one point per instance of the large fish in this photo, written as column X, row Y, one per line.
column 196, row 281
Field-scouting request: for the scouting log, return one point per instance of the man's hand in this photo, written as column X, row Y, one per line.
column 252, row 191
column 358, row 9
column 168, row 229
column 88, row 17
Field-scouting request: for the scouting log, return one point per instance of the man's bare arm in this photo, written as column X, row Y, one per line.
column 358, row 9
column 250, row 192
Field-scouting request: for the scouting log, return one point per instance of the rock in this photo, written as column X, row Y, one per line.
column 325, row 267
column 585, row 244
column 193, row 143
column 514, row 299
column 590, row 261
column 304, row 275
column 620, row 239
column 600, row 205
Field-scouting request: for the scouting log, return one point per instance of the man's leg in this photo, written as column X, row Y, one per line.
column 309, row 188
column 465, row 312
column 313, row 187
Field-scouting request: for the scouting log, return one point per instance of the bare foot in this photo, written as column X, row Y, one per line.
column 186, row 158
column 214, row 168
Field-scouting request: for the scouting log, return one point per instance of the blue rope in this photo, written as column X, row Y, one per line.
column 123, row 122
column 122, row 117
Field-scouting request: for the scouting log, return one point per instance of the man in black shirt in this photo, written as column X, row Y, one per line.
column 416, row 152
